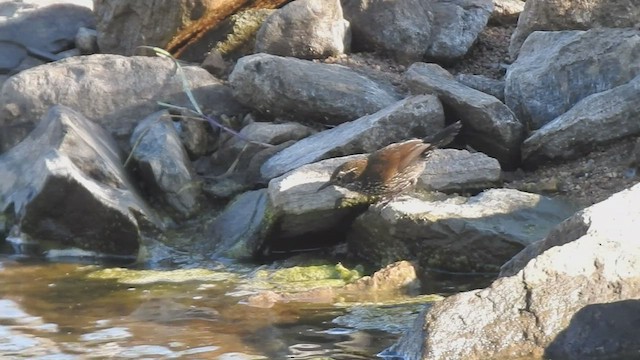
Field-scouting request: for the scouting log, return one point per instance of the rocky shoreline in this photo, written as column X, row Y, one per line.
column 115, row 153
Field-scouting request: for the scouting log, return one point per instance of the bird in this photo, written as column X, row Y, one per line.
column 391, row 170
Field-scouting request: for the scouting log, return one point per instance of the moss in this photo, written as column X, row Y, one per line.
column 245, row 26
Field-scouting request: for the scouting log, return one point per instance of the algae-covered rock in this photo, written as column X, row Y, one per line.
column 138, row 277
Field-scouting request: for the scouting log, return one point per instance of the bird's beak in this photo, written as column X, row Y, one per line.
column 324, row 186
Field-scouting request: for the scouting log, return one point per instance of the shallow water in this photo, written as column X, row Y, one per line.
column 61, row 311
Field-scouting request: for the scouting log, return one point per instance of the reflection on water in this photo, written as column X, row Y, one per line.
column 56, row 311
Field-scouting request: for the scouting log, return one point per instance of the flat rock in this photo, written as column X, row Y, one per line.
column 487, row 124
column 556, row 69
column 411, row 117
column 550, row 15
column 456, row 234
column 65, row 187
column 307, row 29
column 90, row 84
column 572, row 295
column 300, row 89
column 163, row 163
column 482, row 83
column 451, row 170
column 412, row 21
column 597, row 119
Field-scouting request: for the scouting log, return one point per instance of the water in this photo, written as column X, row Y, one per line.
column 73, row 311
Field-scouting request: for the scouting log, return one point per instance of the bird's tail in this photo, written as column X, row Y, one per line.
column 444, row 136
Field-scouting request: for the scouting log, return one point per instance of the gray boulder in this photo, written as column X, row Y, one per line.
column 301, row 89
column 456, row 234
column 451, row 170
column 407, row 40
column 572, row 295
column 112, row 90
column 164, row 165
column 456, row 26
column 556, row 69
column 488, row 125
column 506, row 12
column 404, row 119
column 482, row 83
column 571, row 15
column 124, row 25
column 65, row 187
column 308, row 29
column 595, row 120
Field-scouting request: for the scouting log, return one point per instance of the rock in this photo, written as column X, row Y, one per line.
column 451, row 170
column 308, row 29
column 89, row 84
column 271, row 133
column 506, row 12
column 405, row 41
column 457, row 234
column 87, row 41
column 411, row 117
column 164, row 165
column 300, row 89
column 215, row 64
column 399, row 277
column 124, row 25
column 569, row 15
column 297, row 208
column 240, row 230
column 41, row 34
column 567, row 296
column 456, row 26
column 556, row 69
column 488, row 125
column 66, row 186
column 597, row 119
column 482, row 83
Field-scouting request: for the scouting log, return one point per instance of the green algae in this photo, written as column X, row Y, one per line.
column 138, row 277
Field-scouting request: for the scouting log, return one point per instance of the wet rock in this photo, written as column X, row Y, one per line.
column 556, row 69
column 415, row 116
column 412, row 21
column 456, row 26
column 89, row 84
column 597, row 119
column 561, row 297
column 300, row 89
column 124, row 25
column 308, row 29
column 451, row 170
column 569, row 15
column 488, row 125
column 66, row 186
column 41, row 33
column 215, row 64
column 399, row 277
column 164, row 165
column 482, row 83
column 239, row 231
column 457, row 234
column 506, row 12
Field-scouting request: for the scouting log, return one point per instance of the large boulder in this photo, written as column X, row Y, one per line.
column 66, row 187
column 455, row 234
column 488, row 125
column 112, row 90
column 573, row 15
column 451, row 170
column 308, row 29
column 411, row 117
column 556, row 69
column 406, row 40
column 301, row 89
column 572, row 295
column 595, row 120
column 124, row 25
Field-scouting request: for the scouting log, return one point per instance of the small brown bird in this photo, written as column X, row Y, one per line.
column 389, row 171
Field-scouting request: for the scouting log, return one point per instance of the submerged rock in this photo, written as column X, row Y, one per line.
column 66, row 186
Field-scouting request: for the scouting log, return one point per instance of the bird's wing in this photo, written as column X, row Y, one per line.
column 388, row 161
